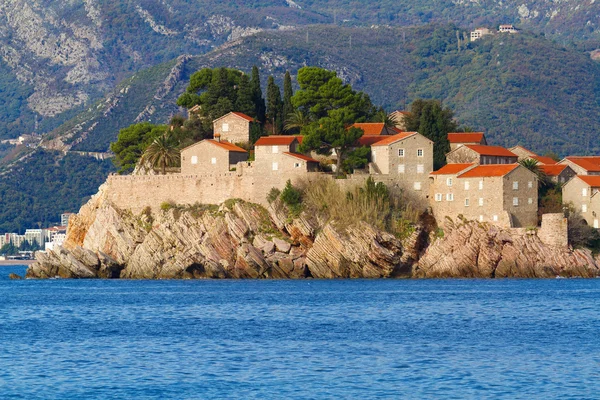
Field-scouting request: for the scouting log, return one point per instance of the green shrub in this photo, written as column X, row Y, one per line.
column 273, row 195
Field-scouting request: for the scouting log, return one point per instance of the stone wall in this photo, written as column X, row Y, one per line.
column 237, row 128
column 554, row 230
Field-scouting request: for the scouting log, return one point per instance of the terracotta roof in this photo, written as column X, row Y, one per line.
column 371, row 128
column 470, row 137
column 490, row 170
column 491, row 150
column 553, row 170
column 451, row 169
column 544, row 160
column 300, row 138
column 393, row 139
column 246, row 117
column 301, row 157
column 275, row 140
column 588, row 163
column 592, row 180
column 227, row 146
column 369, row 140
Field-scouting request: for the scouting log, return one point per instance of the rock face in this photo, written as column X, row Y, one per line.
column 243, row 240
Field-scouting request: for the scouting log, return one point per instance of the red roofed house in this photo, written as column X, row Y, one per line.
column 278, row 155
column 458, row 139
column 233, row 127
column 583, row 193
column 375, row 128
column 525, row 154
column 470, row 153
column 406, row 156
column 583, row 165
column 211, row 155
column 558, row 173
column 503, row 194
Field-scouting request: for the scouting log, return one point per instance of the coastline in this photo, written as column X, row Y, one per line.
column 8, row 263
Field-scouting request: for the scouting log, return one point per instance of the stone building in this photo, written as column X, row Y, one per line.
column 407, row 156
column 507, row 28
column 458, row 139
column 583, row 165
column 558, row 173
column 525, row 154
column 505, row 195
column 479, row 33
column 583, row 193
column 481, row 155
column 211, row 156
column 278, row 155
column 233, row 127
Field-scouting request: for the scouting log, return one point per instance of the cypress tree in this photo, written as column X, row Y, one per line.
column 244, row 102
column 431, row 120
column 274, row 105
column 288, row 92
column 259, row 101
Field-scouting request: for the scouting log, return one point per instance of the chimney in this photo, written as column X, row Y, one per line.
column 218, row 137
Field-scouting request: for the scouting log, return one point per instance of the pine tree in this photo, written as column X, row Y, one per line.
column 288, row 92
column 274, row 105
column 244, row 102
column 257, row 97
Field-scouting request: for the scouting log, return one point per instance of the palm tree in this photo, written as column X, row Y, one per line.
column 533, row 166
column 296, row 120
column 161, row 153
column 387, row 119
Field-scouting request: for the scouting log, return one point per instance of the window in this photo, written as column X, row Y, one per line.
column 417, row 186
column 419, row 152
column 530, row 184
column 584, row 192
column 467, row 185
column 225, row 128
column 420, row 168
column 481, row 185
column 194, row 159
column 481, row 218
column 596, row 223
column 530, row 201
column 480, row 201
column 373, row 155
column 401, row 168
column 297, row 165
column 516, row 185
column 275, row 149
column 466, row 202
column 213, row 160
column 449, row 181
column 449, row 196
column 275, row 166
column 515, row 201
column 584, row 208
column 438, row 197
column 495, row 218
column 400, row 152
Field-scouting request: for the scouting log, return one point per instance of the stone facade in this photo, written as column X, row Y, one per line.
column 408, row 158
column 505, row 195
column 481, row 155
column 558, row 173
column 522, row 152
column 399, row 118
column 583, row 194
column 458, row 139
column 554, row 230
column 583, row 165
column 211, row 156
column 233, row 127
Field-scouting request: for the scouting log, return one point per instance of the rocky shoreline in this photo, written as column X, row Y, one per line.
column 241, row 240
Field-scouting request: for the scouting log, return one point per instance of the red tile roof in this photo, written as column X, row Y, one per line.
column 300, row 138
column 470, row 137
column 491, row 150
column 490, row 170
column 553, row 170
column 590, row 164
column 275, row 140
column 393, row 139
column 246, row 117
column 451, row 169
column 227, row 146
column 371, row 128
column 369, row 140
column 592, row 180
column 301, row 157
column 544, row 160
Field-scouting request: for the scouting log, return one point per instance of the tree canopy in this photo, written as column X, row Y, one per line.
column 131, row 143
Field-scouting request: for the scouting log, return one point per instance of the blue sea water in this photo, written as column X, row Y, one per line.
column 309, row 339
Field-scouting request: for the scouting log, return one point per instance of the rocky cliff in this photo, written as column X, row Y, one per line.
column 243, row 240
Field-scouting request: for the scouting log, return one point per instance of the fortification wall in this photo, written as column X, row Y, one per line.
column 554, row 230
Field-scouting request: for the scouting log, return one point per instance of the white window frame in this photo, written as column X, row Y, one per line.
column 275, row 166
column 225, row 127
column 584, row 192
column 467, row 185
column 530, row 201
column 530, row 184
column 515, row 201
column 480, row 202
column 417, row 185
column 274, row 149
column 439, row 197
column 420, row 153
column 297, row 165
column 194, row 160
column 495, row 218
column 420, row 168
column 448, row 181
column 466, row 202
column 515, row 185
column 449, row 196
column 401, row 168
column 481, row 184
column 584, row 208
column 481, row 218
column 400, row 152
column 213, row 160
column 596, row 225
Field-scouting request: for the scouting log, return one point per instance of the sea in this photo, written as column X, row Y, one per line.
column 304, row 339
